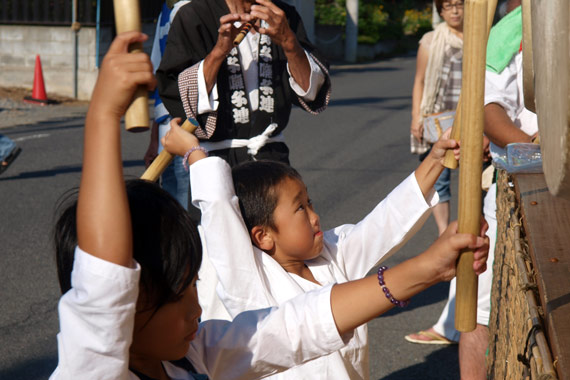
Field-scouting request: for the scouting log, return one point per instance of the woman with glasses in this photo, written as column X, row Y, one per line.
column 436, row 89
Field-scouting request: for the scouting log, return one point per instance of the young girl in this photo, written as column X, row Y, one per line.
column 290, row 254
column 130, row 306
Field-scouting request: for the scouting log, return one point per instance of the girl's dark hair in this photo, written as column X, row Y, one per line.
column 255, row 185
column 166, row 243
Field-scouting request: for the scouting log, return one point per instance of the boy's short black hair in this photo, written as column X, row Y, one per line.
column 255, row 185
column 166, row 242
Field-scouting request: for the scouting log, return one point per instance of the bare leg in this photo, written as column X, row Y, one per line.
column 441, row 216
column 472, row 348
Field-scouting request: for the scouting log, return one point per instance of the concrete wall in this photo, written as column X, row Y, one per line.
column 55, row 45
column 19, row 46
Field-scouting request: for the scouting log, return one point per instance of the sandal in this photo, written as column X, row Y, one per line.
column 428, row 338
column 9, row 159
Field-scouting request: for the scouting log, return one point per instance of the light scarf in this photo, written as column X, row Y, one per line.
column 442, row 39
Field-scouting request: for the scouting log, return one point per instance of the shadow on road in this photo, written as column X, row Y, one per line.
column 360, row 68
column 366, row 100
column 63, row 170
column 439, row 365
column 38, row 368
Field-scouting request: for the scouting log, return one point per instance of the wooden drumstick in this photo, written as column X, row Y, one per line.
column 474, row 55
column 164, row 158
column 127, row 18
column 449, row 160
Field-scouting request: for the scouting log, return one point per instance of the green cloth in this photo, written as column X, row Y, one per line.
column 504, row 41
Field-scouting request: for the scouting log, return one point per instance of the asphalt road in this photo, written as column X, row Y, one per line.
column 350, row 157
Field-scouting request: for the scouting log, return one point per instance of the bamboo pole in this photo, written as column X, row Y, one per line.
column 128, row 18
column 474, row 55
column 164, row 158
column 449, row 160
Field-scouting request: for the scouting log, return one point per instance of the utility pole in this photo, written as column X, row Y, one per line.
column 351, row 42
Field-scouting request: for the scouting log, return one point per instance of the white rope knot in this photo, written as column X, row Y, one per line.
column 257, row 142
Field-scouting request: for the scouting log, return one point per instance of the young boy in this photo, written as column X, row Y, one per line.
column 128, row 259
column 290, row 253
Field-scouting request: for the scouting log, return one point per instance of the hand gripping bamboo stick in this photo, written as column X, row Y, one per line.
column 474, row 55
column 449, row 160
column 164, row 158
column 127, row 18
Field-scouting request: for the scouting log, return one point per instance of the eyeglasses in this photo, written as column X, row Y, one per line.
column 449, row 6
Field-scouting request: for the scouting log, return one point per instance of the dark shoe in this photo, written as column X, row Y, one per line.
column 9, row 159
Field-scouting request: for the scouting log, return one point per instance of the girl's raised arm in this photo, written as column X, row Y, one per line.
column 103, row 216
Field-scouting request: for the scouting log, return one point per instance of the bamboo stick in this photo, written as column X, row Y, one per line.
column 164, row 158
column 449, row 160
column 474, row 55
column 128, row 18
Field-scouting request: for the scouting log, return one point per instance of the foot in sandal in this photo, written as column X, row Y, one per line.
column 429, row 336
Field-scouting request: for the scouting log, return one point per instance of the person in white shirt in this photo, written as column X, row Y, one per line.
column 130, row 306
column 290, row 255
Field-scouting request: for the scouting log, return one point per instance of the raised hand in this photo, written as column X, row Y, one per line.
column 120, row 75
column 278, row 29
column 442, row 145
column 177, row 141
column 227, row 32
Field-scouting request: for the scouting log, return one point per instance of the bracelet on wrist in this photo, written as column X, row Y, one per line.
column 190, row 151
column 387, row 293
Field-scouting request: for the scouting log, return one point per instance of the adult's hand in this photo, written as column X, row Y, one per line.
column 227, row 32
column 278, row 29
column 417, row 128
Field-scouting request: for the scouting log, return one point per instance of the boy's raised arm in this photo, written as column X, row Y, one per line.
column 103, row 216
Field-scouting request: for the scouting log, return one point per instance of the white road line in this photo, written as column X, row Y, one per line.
column 31, row 137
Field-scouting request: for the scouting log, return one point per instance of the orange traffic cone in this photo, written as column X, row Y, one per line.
column 39, row 90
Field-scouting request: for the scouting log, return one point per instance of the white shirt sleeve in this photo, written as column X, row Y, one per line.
column 316, row 80
column 96, row 318
column 503, row 90
column 206, row 102
column 229, row 246
column 262, row 342
column 384, row 230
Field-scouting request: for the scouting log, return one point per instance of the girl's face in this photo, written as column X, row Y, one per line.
column 298, row 234
column 452, row 13
column 165, row 334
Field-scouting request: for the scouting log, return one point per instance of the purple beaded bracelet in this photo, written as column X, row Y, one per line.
column 386, row 291
column 190, row 151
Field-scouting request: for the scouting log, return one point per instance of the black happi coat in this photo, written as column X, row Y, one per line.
column 193, row 34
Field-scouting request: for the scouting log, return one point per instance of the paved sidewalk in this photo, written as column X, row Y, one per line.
column 15, row 112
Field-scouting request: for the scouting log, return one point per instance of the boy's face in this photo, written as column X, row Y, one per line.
column 298, row 234
column 166, row 333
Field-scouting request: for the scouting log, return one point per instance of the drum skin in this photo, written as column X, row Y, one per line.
column 550, row 40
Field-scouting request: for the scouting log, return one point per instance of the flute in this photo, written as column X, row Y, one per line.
column 244, row 31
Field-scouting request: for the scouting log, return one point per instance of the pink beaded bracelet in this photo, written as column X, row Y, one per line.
column 190, row 151
column 386, row 291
